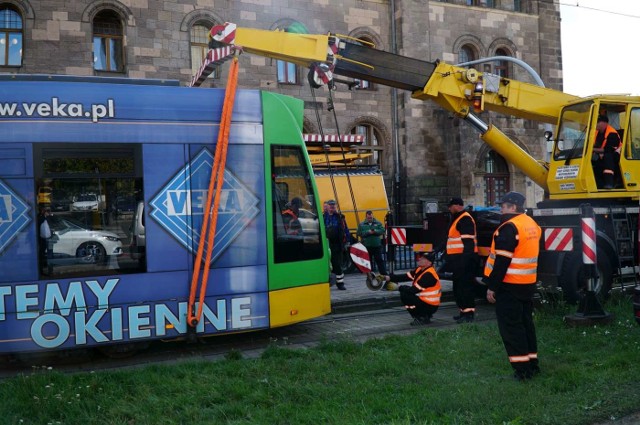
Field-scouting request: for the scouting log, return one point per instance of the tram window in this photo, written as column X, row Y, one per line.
column 296, row 226
column 92, row 194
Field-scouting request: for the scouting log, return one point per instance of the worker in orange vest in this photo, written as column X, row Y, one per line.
column 511, row 275
column 607, row 153
column 422, row 298
column 462, row 249
column 292, row 224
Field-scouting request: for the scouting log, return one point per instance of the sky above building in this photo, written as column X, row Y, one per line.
column 600, row 46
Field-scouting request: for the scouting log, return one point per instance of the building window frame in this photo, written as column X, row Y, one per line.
column 108, row 42
column 501, row 67
column 467, row 53
column 373, row 143
column 287, row 73
column 497, row 178
column 199, row 47
column 11, row 36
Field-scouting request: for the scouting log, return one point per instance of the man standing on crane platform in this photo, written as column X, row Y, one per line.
column 607, row 148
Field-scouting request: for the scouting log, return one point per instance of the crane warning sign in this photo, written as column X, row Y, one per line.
column 567, row 172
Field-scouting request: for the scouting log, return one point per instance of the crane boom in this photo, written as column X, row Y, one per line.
column 466, row 92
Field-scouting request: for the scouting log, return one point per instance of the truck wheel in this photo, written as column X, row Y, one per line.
column 574, row 282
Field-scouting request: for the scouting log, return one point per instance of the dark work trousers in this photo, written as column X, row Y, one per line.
column 463, row 268
column 610, row 161
column 336, row 262
column 415, row 306
column 375, row 253
column 515, row 322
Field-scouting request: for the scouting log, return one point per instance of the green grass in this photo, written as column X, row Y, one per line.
column 438, row 376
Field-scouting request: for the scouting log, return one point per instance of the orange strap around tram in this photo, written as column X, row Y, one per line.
column 215, row 190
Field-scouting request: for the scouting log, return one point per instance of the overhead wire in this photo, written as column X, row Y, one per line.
column 578, row 6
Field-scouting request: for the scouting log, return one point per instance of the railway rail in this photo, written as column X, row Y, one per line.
column 354, row 326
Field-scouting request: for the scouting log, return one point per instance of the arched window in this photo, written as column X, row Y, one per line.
column 501, row 67
column 10, row 37
column 108, row 52
column 496, row 178
column 199, row 39
column 466, row 54
column 373, row 143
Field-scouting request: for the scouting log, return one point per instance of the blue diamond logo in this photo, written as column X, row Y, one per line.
column 179, row 206
column 13, row 215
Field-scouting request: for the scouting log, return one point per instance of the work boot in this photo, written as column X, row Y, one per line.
column 521, row 375
column 533, row 367
column 608, row 181
column 466, row 318
column 420, row 321
column 535, row 370
column 341, row 287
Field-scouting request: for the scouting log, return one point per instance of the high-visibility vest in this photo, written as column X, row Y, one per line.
column 608, row 131
column 292, row 218
column 430, row 295
column 454, row 239
column 524, row 260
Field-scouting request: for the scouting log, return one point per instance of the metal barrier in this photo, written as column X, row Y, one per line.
column 401, row 258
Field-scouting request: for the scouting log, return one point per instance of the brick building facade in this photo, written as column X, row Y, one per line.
column 426, row 154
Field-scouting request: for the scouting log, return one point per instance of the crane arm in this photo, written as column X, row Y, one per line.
column 459, row 90
column 450, row 86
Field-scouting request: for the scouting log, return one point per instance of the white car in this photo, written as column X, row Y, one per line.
column 85, row 202
column 70, row 240
column 309, row 222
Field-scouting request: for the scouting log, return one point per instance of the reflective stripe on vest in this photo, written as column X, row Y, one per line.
column 430, row 295
column 454, row 239
column 523, row 268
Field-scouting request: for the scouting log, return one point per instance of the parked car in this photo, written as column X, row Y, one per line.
column 60, row 201
column 125, row 205
column 309, row 222
column 70, row 240
column 85, row 202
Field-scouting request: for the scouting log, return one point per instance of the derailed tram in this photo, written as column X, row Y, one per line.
column 122, row 169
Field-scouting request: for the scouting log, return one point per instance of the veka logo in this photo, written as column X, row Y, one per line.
column 179, row 206
column 13, row 215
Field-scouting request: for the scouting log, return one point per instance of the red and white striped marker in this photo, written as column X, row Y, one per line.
column 588, row 240
column 398, row 236
column 558, row 239
column 360, row 257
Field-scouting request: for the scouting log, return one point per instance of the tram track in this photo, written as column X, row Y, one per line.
column 354, row 326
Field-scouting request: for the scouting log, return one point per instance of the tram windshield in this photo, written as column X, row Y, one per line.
column 296, row 223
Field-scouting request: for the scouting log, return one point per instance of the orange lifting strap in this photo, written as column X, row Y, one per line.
column 215, row 189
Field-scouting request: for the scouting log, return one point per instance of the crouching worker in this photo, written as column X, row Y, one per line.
column 422, row 298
